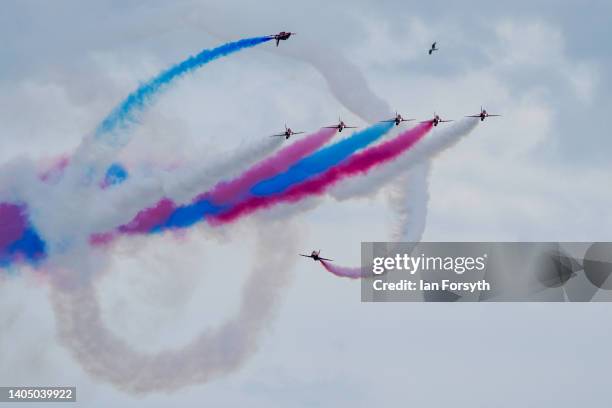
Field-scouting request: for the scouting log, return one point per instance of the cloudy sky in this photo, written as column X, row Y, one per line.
column 541, row 172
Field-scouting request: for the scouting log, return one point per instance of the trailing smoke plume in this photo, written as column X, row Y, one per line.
column 210, row 355
column 344, row 272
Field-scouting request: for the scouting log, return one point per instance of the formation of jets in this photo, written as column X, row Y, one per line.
column 398, row 119
column 315, row 256
column 287, row 133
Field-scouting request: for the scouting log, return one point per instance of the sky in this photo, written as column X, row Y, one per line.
column 539, row 173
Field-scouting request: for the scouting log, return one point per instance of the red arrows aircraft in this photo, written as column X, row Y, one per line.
column 482, row 115
column 340, row 126
column 397, row 119
column 315, row 256
column 436, row 119
column 283, row 35
column 287, row 133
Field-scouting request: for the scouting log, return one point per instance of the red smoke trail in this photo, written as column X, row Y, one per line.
column 344, row 272
column 360, row 162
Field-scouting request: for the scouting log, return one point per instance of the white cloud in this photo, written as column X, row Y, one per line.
column 525, row 44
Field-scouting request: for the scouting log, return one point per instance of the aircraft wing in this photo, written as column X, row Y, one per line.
column 390, row 120
column 449, row 120
column 297, row 133
column 280, row 134
column 494, row 115
column 426, row 121
column 325, row 259
column 350, row 127
column 331, row 127
column 472, row 116
column 305, row 256
column 407, row 120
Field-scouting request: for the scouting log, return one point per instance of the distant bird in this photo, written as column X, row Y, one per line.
column 433, row 48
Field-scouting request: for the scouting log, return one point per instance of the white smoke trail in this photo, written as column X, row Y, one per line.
column 409, row 195
column 211, row 354
column 412, row 217
column 89, row 161
column 426, row 149
column 14, row 174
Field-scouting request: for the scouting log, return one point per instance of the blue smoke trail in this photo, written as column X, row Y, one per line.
column 29, row 248
column 185, row 216
column 321, row 160
column 115, row 174
column 124, row 114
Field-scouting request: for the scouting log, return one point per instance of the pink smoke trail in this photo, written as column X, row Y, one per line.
column 150, row 217
column 230, row 191
column 12, row 223
column 344, row 272
column 360, row 162
column 55, row 170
